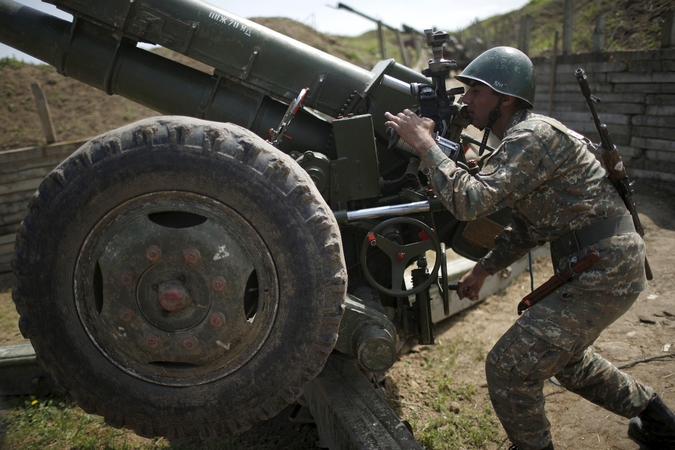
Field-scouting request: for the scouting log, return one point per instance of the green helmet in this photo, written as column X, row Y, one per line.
column 507, row 70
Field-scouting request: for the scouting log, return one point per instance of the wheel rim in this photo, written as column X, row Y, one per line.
column 176, row 289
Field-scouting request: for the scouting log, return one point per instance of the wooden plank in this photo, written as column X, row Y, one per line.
column 62, row 148
column 6, row 263
column 23, row 185
column 28, row 174
column 44, row 114
column 7, row 249
column 12, row 219
column 17, row 166
column 21, row 196
column 19, row 154
column 9, row 228
column 7, row 238
column 13, row 207
column 65, row 148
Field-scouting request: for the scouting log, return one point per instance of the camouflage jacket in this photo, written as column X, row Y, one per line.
column 554, row 185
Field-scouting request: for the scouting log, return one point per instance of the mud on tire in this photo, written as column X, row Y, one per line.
column 180, row 278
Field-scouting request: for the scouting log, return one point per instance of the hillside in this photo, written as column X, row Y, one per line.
column 629, row 25
column 80, row 111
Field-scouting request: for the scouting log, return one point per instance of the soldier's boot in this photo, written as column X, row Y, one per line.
column 653, row 428
column 548, row 447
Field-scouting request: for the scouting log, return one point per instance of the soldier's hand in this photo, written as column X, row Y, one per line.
column 415, row 130
column 472, row 282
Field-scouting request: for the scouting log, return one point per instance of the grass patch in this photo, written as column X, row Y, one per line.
column 448, row 412
column 470, row 428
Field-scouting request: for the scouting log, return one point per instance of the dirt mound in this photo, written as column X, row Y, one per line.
column 78, row 111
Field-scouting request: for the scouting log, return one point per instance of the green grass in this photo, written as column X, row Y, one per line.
column 56, row 422
column 470, row 428
column 456, row 414
column 11, row 62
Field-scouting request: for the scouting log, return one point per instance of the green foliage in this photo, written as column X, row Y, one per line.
column 11, row 62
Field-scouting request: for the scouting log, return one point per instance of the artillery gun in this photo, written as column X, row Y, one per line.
column 190, row 274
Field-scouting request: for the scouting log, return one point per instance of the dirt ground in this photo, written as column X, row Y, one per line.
column 646, row 331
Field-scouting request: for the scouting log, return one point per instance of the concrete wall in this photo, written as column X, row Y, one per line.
column 637, row 92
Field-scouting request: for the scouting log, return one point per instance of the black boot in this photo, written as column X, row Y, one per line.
column 654, row 428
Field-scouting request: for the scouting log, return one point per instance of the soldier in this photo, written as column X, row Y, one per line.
column 559, row 194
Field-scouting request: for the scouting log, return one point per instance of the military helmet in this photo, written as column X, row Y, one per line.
column 507, row 70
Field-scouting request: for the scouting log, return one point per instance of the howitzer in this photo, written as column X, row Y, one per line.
column 611, row 159
column 181, row 275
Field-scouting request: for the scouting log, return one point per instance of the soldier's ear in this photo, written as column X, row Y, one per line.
column 509, row 100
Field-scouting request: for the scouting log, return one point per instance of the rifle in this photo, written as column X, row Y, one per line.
column 557, row 280
column 611, row 159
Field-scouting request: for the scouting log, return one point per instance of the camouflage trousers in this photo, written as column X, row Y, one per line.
column 553, row 338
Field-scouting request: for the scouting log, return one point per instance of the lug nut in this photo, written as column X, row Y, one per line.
column 152, row 341
column 127, row 278
column 153, row 253
column 217, row 319
column 126, row 314
column 218, row 283
column 192, row 256
column 190, row 342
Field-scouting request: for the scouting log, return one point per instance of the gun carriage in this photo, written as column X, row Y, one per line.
column 190, row 273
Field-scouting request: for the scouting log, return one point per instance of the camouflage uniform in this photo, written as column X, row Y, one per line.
column 553, row 184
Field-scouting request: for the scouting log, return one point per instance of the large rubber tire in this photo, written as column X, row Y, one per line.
column 180, row 278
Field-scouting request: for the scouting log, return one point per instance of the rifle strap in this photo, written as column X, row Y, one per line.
column 574, row 241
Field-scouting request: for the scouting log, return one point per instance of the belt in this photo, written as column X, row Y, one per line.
column 597, row 231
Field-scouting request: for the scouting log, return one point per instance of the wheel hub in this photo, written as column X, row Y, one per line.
column 173, row 296
column 176, row 289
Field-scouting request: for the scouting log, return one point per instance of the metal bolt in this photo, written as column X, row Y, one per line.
column 190, row 342
column 152, row 341
column 173, row 296
column 218, row 283
column 217, row 319
column 153, row 253
column 126, row 314
column 192, row 256
column 127, row 278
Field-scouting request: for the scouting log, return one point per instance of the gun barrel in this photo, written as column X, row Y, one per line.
column 256, row 71
column 397, row 85
column 583, row 83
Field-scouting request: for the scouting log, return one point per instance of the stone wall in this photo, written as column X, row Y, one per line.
column 637, row 92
